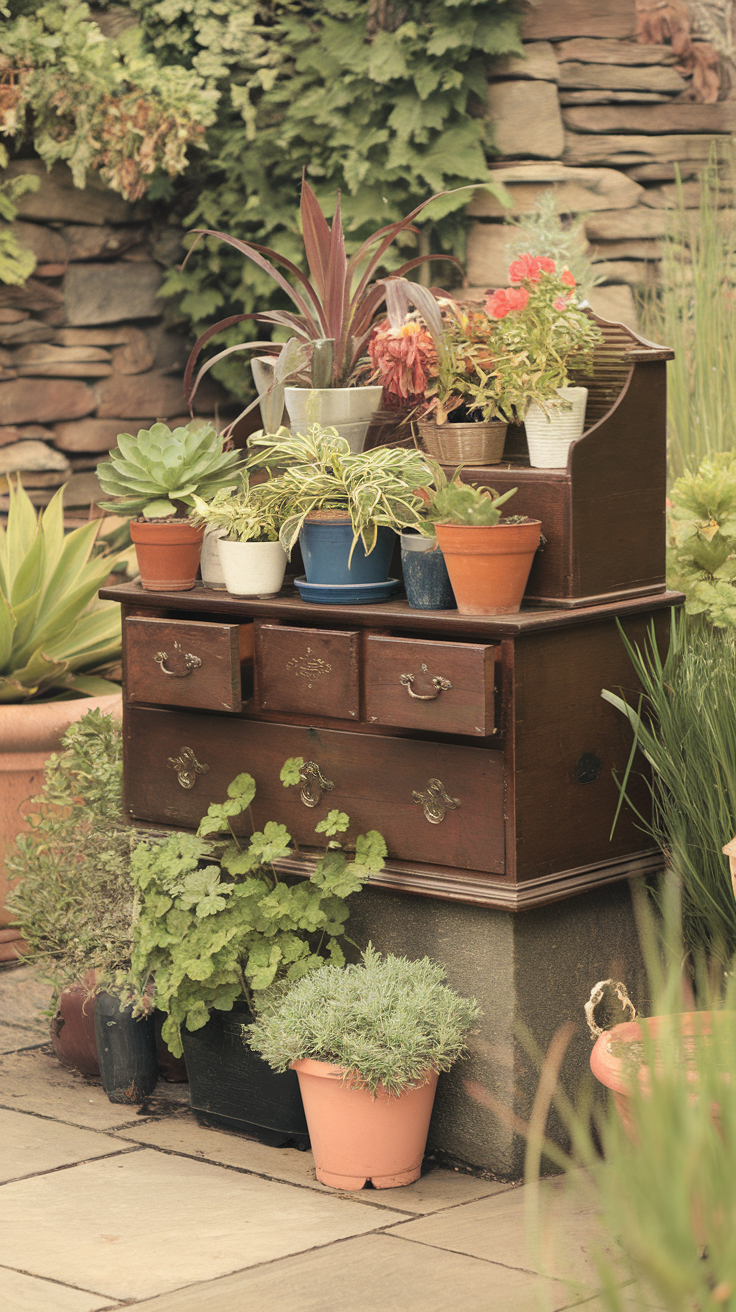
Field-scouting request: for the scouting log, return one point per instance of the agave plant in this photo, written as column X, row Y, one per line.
column 149, row 474
column 376, row 488
column 335, row 306
column 55, row 637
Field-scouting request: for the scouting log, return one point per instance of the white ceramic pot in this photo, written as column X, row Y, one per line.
column 348, row 409
column 252, row 569
column 209, row 562
column 551, row 435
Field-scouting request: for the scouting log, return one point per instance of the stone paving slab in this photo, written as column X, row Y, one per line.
column 22, row 1293
column 435, row 1191
column 30, row 1145
column 36, row 1082
column 15, row 1037
column 496, row 1229
column 23, row 998
column 372, row 1274
column 148, row 1222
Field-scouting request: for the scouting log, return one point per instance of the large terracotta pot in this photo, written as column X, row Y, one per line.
column 489, row 565
column 29, row 732
column 73, row 1028
column 357, row 1137
column 167, row 553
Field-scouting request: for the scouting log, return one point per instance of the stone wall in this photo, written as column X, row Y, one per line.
column 602, row 115
column 84, row 350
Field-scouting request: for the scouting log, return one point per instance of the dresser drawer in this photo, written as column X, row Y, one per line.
column 432, row 802
column 307, row 671
column 446, row 687
column 185, row 663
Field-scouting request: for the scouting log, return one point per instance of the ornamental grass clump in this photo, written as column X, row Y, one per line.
column 387, row 1022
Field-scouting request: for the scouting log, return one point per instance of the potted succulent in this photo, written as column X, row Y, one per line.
column 335, row 311
column 217, row 929
column 252, row 558
column 73, row 902
column 60, row 646
column 345, row 508
column 543, row 334
column 488, row 559
column 152, row 477
column 367, row 1043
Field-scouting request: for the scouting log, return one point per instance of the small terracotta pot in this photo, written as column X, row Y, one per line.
column 73, row 1029
column 168, row 554
column 356, row 1137
column 489, row 565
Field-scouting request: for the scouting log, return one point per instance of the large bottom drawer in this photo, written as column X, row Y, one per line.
column 434, row 803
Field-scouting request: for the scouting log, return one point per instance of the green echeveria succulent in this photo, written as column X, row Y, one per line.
column 150, row 473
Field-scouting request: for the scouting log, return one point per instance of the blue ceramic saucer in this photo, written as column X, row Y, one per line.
column 346, row 594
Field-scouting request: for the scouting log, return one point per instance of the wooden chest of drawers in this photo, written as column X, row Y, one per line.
column 481, row 748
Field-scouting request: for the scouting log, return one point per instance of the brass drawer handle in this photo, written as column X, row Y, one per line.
column 191, row 663
column 313, row 784
column 435, row 802
column 187, row 766
column 438, row 683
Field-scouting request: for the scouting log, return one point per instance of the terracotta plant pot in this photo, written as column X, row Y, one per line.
column 489, row 565
column 168, row 554
column 73, row 1029
column 29, row 732
column 356, row 1137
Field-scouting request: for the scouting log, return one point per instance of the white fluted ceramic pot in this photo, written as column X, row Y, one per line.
column 551, row 435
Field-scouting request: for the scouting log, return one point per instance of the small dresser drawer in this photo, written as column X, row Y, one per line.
column 183, row 663
column 446, row 687
column 435, row 803
column 307, row 671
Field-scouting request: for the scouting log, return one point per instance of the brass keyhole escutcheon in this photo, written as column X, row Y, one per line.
column 187, row 767
column 314, row 784
column 191, row 662
column 438, row 683
column 435, row 802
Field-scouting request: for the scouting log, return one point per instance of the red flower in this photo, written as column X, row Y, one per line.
column 567, row 278
column 526, row 269
column 505, row 300
column 546, row 265
column 561, row 303
column 404, row 359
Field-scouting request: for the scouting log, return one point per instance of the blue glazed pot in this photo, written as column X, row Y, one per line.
column 326, row 547
column 426, row 580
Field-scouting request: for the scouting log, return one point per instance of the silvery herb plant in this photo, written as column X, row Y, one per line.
column 215, row 923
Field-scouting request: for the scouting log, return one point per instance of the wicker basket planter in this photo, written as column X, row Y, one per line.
column 471, row 444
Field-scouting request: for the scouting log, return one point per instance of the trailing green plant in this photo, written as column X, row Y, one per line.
column 245, row 514
column 685, row 725
column 157, row 473
column 56, row 638
column 692, row 310
column 544, row 232
column 16, row 263
column 99, row 104
column 387, row 1022
column 702, row 539
column 74, row 898
column 463, row 503
column 217, row 923
column 375, row 488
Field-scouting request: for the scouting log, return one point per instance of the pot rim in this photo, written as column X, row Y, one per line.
column 328, row 1070
column 335, row 391
column 39, row 726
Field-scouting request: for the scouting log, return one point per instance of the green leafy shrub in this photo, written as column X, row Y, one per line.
column 247, row 514
column 387, row 1021
column 209, row 934
column 16, row 263
column 702, row 556
column 158, row 471
column 74, row 898
column 56, row 638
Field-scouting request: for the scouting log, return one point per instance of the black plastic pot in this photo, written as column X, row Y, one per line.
column 235, row 1089
column 126, row 1051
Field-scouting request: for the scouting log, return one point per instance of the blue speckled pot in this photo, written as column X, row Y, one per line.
column 426, row 580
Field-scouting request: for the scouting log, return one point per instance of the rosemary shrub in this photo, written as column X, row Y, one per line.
column 387, row 1021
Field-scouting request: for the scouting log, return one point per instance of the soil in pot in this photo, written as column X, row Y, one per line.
column 357, row 1137
column 426, row 580
column 234, row 1088
column 168, row 553
column 126, row 1051
column 489, row 566
column 325, row 541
